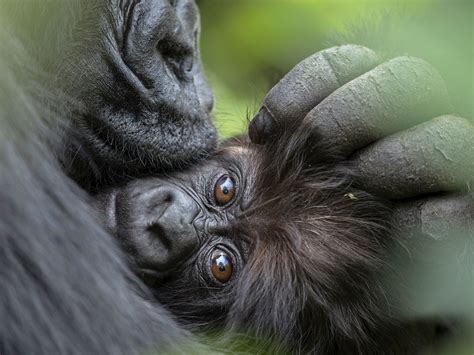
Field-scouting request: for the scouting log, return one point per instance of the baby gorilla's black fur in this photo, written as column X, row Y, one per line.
column 309, row 250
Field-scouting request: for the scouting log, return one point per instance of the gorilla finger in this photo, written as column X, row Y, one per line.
column 394, row 96
column 435, row 218
column 307, row 84
column 432, row 157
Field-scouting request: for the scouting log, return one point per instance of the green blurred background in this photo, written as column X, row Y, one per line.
column 247, row 45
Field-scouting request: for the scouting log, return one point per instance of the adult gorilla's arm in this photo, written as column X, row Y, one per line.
column 364, row 108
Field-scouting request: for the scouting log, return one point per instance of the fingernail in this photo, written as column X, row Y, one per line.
column 261, row 127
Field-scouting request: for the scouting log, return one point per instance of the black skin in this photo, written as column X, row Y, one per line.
column 300, row 246
column 84, row 84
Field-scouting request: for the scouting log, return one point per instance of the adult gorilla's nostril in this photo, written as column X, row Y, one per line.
column 187, row 64
column 178, row 55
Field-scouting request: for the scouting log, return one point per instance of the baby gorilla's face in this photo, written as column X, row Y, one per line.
column 181, row 233
column 270, row 240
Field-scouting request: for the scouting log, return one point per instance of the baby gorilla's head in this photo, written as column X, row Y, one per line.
column 270, row 240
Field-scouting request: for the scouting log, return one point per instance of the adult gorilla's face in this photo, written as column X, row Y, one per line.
column 144, row 103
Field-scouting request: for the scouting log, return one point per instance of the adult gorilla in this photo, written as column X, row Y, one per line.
column 102, row 92
column 132, row 69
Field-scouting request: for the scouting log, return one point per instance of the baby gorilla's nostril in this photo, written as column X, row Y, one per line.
column 157, row 231
column 158, row 201
column 168, row 198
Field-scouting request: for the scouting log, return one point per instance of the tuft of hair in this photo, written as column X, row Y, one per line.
column 314, row 278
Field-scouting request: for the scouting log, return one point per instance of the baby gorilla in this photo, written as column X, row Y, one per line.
column 273, row 241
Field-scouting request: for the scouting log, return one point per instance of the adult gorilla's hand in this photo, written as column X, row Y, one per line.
column 392, row 120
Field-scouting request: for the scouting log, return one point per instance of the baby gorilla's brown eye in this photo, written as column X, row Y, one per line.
column 221, row 266
column 224, row 191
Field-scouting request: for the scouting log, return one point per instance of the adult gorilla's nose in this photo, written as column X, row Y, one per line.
column 161, row 43
column 178, row 55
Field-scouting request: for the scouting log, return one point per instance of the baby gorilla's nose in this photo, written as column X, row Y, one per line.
column 170, row 230
column 170, row 225
column 153, row 221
